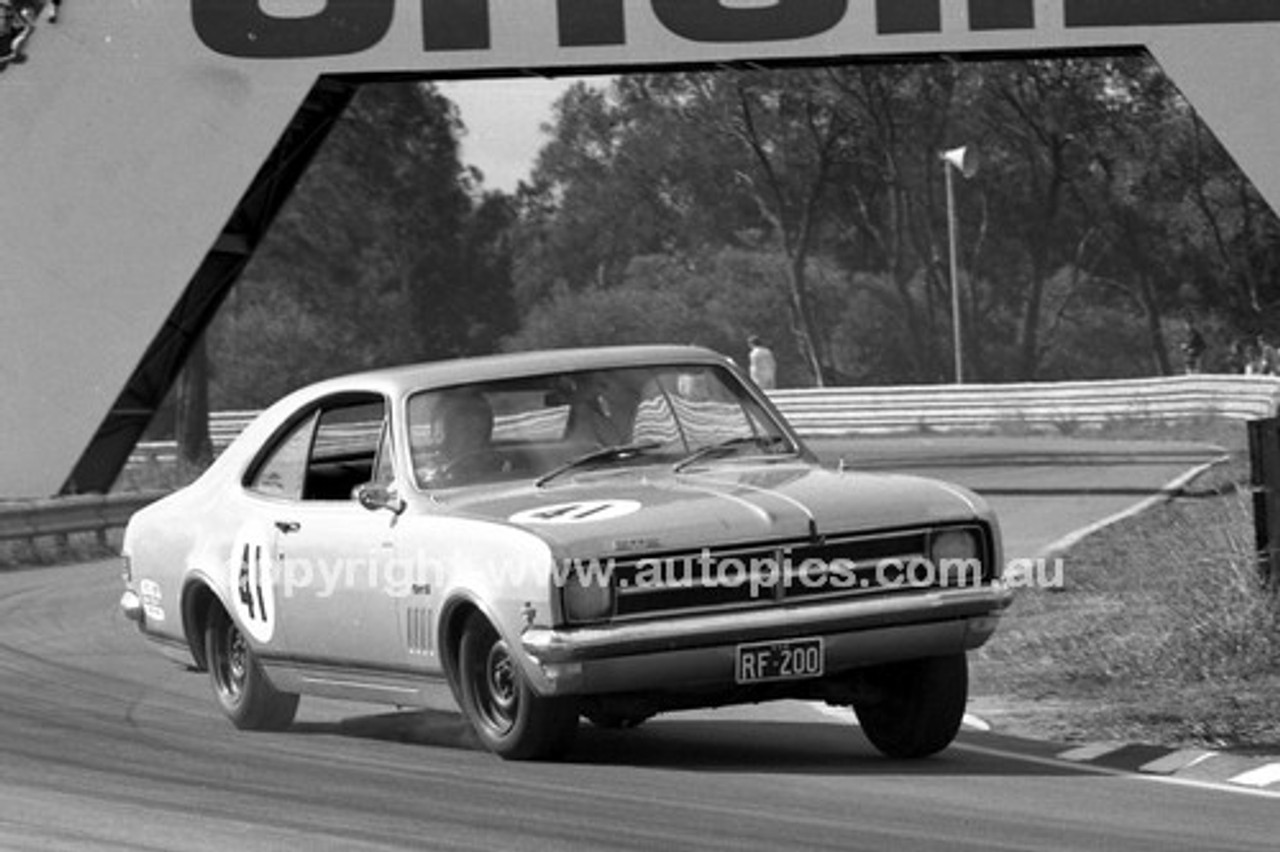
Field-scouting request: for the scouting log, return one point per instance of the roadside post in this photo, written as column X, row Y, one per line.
column 1264, row 464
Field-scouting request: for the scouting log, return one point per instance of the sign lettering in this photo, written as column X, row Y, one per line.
column 1131, row 13
column 711, row 21
column 240, row 28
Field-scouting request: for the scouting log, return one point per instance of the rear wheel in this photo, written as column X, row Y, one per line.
column 510, row 718
column 243, row 691
column 914, row 708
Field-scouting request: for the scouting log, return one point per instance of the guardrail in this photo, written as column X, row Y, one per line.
column 1061, row 406
column 1047, row 405
column 29, row 520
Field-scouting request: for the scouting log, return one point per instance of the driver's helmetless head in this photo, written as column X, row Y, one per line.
column 463, row 421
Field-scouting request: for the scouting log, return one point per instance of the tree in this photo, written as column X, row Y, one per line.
column 1101, row 209
column 385, row 253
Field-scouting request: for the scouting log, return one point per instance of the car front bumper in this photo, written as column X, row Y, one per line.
column 700, row 652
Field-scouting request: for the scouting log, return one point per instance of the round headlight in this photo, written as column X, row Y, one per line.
column 587, row 599
column 957, row 557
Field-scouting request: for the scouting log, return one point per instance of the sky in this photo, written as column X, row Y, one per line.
column 503, row 120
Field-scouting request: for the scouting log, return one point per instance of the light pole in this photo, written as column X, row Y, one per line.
column 964, row 161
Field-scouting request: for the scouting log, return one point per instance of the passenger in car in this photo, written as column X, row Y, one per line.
column 599, row 413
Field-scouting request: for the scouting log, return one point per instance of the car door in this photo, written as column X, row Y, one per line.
column 335, row 559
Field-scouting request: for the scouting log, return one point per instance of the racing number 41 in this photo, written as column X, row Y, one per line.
column 251, row 583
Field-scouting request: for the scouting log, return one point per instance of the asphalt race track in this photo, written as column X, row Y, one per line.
column 1042, row 489
column 103, row 744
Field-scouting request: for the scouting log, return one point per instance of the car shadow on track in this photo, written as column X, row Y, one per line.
column 766, row 746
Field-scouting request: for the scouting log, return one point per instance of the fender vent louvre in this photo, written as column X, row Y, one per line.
column 418, row 630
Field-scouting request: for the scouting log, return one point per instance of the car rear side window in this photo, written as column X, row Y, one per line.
column 339, row 445
column 284, row 470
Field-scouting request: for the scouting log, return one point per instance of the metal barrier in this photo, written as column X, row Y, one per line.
column 828, row 411
column 29, row 520
column 1048, row 405
column 1058, row 406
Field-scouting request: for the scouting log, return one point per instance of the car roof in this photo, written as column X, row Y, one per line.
column 397, row 380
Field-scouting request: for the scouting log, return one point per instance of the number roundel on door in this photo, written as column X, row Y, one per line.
column 251, row 583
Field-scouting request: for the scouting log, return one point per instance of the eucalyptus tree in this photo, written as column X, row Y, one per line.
column 682, row 163
column 366, row 263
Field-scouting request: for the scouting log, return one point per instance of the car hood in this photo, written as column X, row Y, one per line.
column 647, row 509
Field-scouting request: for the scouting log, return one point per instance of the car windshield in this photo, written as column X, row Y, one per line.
column 563, row 423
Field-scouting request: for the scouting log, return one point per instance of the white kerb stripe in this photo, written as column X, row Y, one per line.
column 1090, row 752
column 1262, row 776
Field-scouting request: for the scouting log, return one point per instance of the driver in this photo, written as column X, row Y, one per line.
column 459, row 450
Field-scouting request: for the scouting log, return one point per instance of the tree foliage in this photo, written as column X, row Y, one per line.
column 387, row 252
column 1102, row 210
column 804, row 204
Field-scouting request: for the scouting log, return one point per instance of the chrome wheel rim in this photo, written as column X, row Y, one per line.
column 500, row 689
column 233, row 666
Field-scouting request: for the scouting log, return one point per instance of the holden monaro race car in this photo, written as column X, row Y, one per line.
column 607, row 533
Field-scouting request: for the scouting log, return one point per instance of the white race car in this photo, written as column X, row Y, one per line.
column 607, row 533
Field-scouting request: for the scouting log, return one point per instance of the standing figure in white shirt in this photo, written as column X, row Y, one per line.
column 763, row 367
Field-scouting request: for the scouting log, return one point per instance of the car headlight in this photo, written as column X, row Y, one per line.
column 956, row 555
column 587, row 598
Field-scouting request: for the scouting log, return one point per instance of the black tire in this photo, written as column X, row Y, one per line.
column 916, row 706
column 510, row 719
column 241, row 689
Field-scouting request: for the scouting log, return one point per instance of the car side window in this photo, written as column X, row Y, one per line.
column 345, row 449
column 383, row 469
column 284, row 471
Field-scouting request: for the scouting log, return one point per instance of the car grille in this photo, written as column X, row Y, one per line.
column 772, row 574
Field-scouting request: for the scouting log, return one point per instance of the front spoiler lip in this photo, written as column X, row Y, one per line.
column 551, row 646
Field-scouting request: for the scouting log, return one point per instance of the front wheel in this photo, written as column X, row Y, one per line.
column 914, row 708
column 510, row 718
column 243, row 691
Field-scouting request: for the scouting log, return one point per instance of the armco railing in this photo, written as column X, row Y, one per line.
column 1058, row 406
column 1050, row 405
column 30, row 520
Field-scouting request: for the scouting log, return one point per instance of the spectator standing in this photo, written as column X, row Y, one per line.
column 1240, row 358
column 1193, row 348
column 1264, row 358
column 762, row 365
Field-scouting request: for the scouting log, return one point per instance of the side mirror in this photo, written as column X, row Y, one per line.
column 374, row 496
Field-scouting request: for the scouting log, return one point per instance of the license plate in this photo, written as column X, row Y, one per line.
column 787, row 659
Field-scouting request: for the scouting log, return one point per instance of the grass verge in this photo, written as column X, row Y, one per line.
column 1163, row 632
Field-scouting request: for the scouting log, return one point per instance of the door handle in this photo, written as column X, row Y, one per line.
column 288, row 526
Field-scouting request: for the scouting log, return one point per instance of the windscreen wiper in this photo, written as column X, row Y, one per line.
column 617, row 452
column 763, row 442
